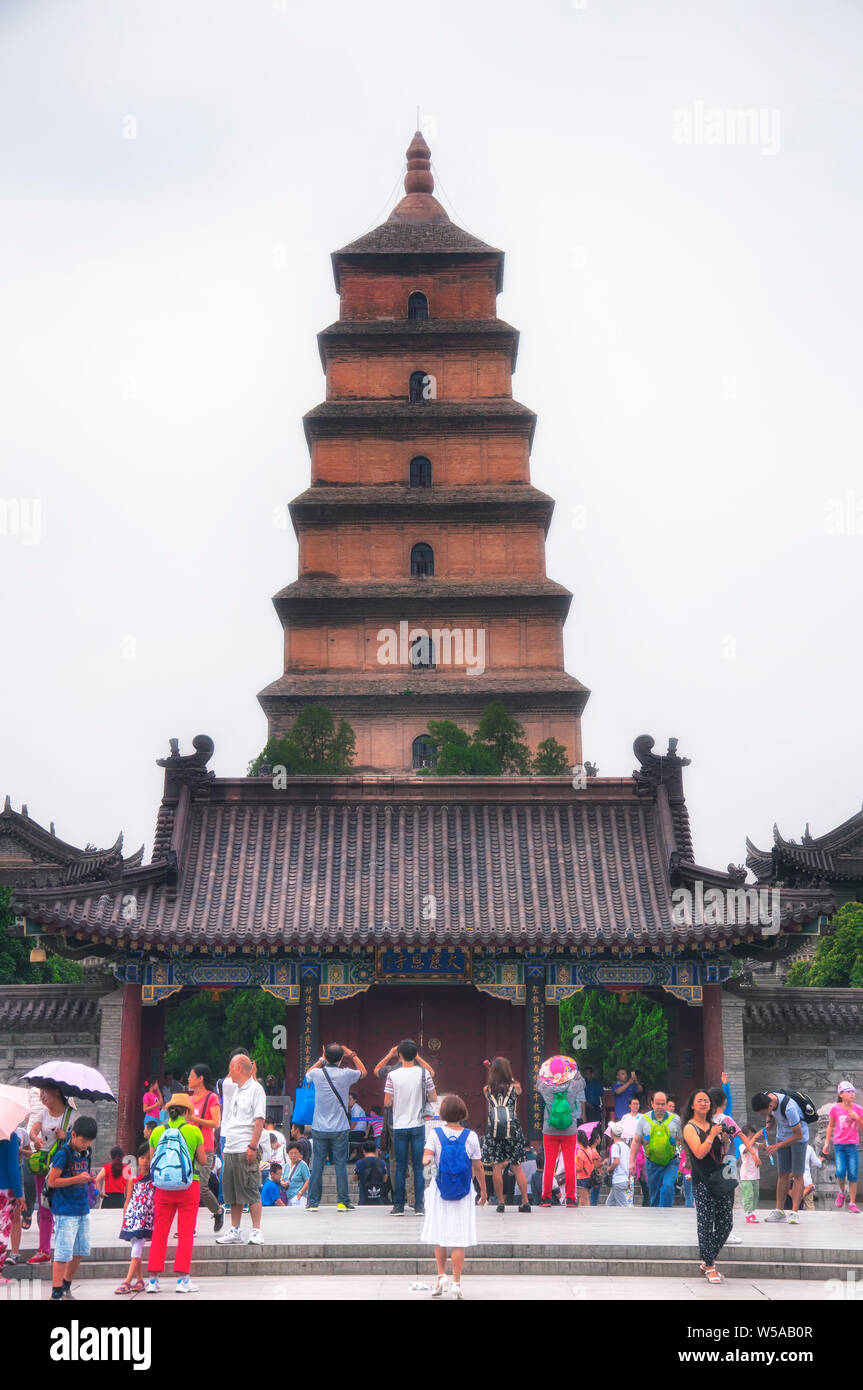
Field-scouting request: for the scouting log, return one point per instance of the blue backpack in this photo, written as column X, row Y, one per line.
column 171, row 1169
column 455, row 1172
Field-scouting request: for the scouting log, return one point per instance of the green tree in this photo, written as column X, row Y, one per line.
column 629, row 1032
column 498, row 730
column 551, row 759
column 206, row 1027
column 838, row 958
column 15, row 967
column 313, row 744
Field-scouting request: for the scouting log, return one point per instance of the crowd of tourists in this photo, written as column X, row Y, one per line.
column 210, row 1144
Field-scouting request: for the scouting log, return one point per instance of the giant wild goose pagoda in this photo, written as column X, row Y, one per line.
column 393, row 901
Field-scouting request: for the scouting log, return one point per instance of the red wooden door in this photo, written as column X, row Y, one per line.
column 467, row 1025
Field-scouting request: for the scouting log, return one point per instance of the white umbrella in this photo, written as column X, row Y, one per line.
column 71, row 1079
column 14, row 1109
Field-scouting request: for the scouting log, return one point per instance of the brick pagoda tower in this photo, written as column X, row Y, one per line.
column 422, row 590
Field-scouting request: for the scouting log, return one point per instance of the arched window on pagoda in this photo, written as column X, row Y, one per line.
column 422, row 559
column 420, row 387
column 418, row 306
column 423, row 752
column 421, row 654
column 421, row 472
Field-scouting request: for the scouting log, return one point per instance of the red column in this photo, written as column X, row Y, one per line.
column 128, row 1098
column 713, row 1050
column 153, row 1040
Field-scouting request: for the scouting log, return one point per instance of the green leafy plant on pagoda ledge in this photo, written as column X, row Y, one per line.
column 838, row 958
column 313, row 744
column 551, row 759
column 620, row 1031
column 496, row 746
column 15, row 966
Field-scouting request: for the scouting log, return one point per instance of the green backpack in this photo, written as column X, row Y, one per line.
column 40, row 1159
column 559, row 1113
column 660, row 1147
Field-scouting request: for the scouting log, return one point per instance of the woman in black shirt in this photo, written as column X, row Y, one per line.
column 714, row 1214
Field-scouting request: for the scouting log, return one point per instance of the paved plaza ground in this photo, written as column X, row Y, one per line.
column 583, row 1254
column 517, row 1289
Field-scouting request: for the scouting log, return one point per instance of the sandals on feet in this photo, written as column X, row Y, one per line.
column 125, row 1287
column 712, row 1275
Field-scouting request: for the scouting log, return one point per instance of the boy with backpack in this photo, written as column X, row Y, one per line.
column 450, row 1208
column 659, row 1131
column 178, row 1149
column 69, row 1181
column 793, row 1111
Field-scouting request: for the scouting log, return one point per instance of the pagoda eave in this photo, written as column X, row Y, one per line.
column 421, row 693
column 401, row 419
column 383, row 335
column 322, row 505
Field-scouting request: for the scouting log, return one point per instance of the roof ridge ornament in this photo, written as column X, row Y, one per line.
column 187, row 769
column 666, row 768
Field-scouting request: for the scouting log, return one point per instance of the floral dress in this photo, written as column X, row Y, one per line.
column 511, row 1150
column 138, row 1221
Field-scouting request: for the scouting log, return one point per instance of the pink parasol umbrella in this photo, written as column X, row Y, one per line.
column 71, row 1079
column 14, row 1109
column 558, row 1071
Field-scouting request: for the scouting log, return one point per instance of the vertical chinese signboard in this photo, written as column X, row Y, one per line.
column 534, row 1025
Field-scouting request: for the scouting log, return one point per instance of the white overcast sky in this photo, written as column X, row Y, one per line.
column 691, row 327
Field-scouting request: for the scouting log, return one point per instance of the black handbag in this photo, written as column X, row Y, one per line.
column 720, row 1183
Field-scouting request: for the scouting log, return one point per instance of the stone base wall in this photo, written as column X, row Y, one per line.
column 41, row 1022
column 806, row 1039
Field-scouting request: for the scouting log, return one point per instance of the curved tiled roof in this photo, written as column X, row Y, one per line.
column 349, row 861
column 37, row 852
column 838, row 855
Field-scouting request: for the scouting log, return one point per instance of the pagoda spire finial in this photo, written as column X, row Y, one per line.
column 418, row 178
column 418, row 204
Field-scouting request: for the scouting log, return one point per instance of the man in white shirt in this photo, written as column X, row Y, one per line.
column 243, row 1113
column 406, row 1091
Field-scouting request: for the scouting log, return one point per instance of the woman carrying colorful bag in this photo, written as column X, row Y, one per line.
column 46, row 1136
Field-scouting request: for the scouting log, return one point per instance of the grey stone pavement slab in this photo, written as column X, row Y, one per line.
column 491, row 1289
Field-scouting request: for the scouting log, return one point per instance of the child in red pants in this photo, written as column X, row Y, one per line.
column 182, row 1201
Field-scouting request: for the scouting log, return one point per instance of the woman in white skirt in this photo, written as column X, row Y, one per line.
column 450, row 1215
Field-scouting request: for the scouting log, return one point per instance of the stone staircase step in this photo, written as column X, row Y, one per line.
column 406, row 1264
